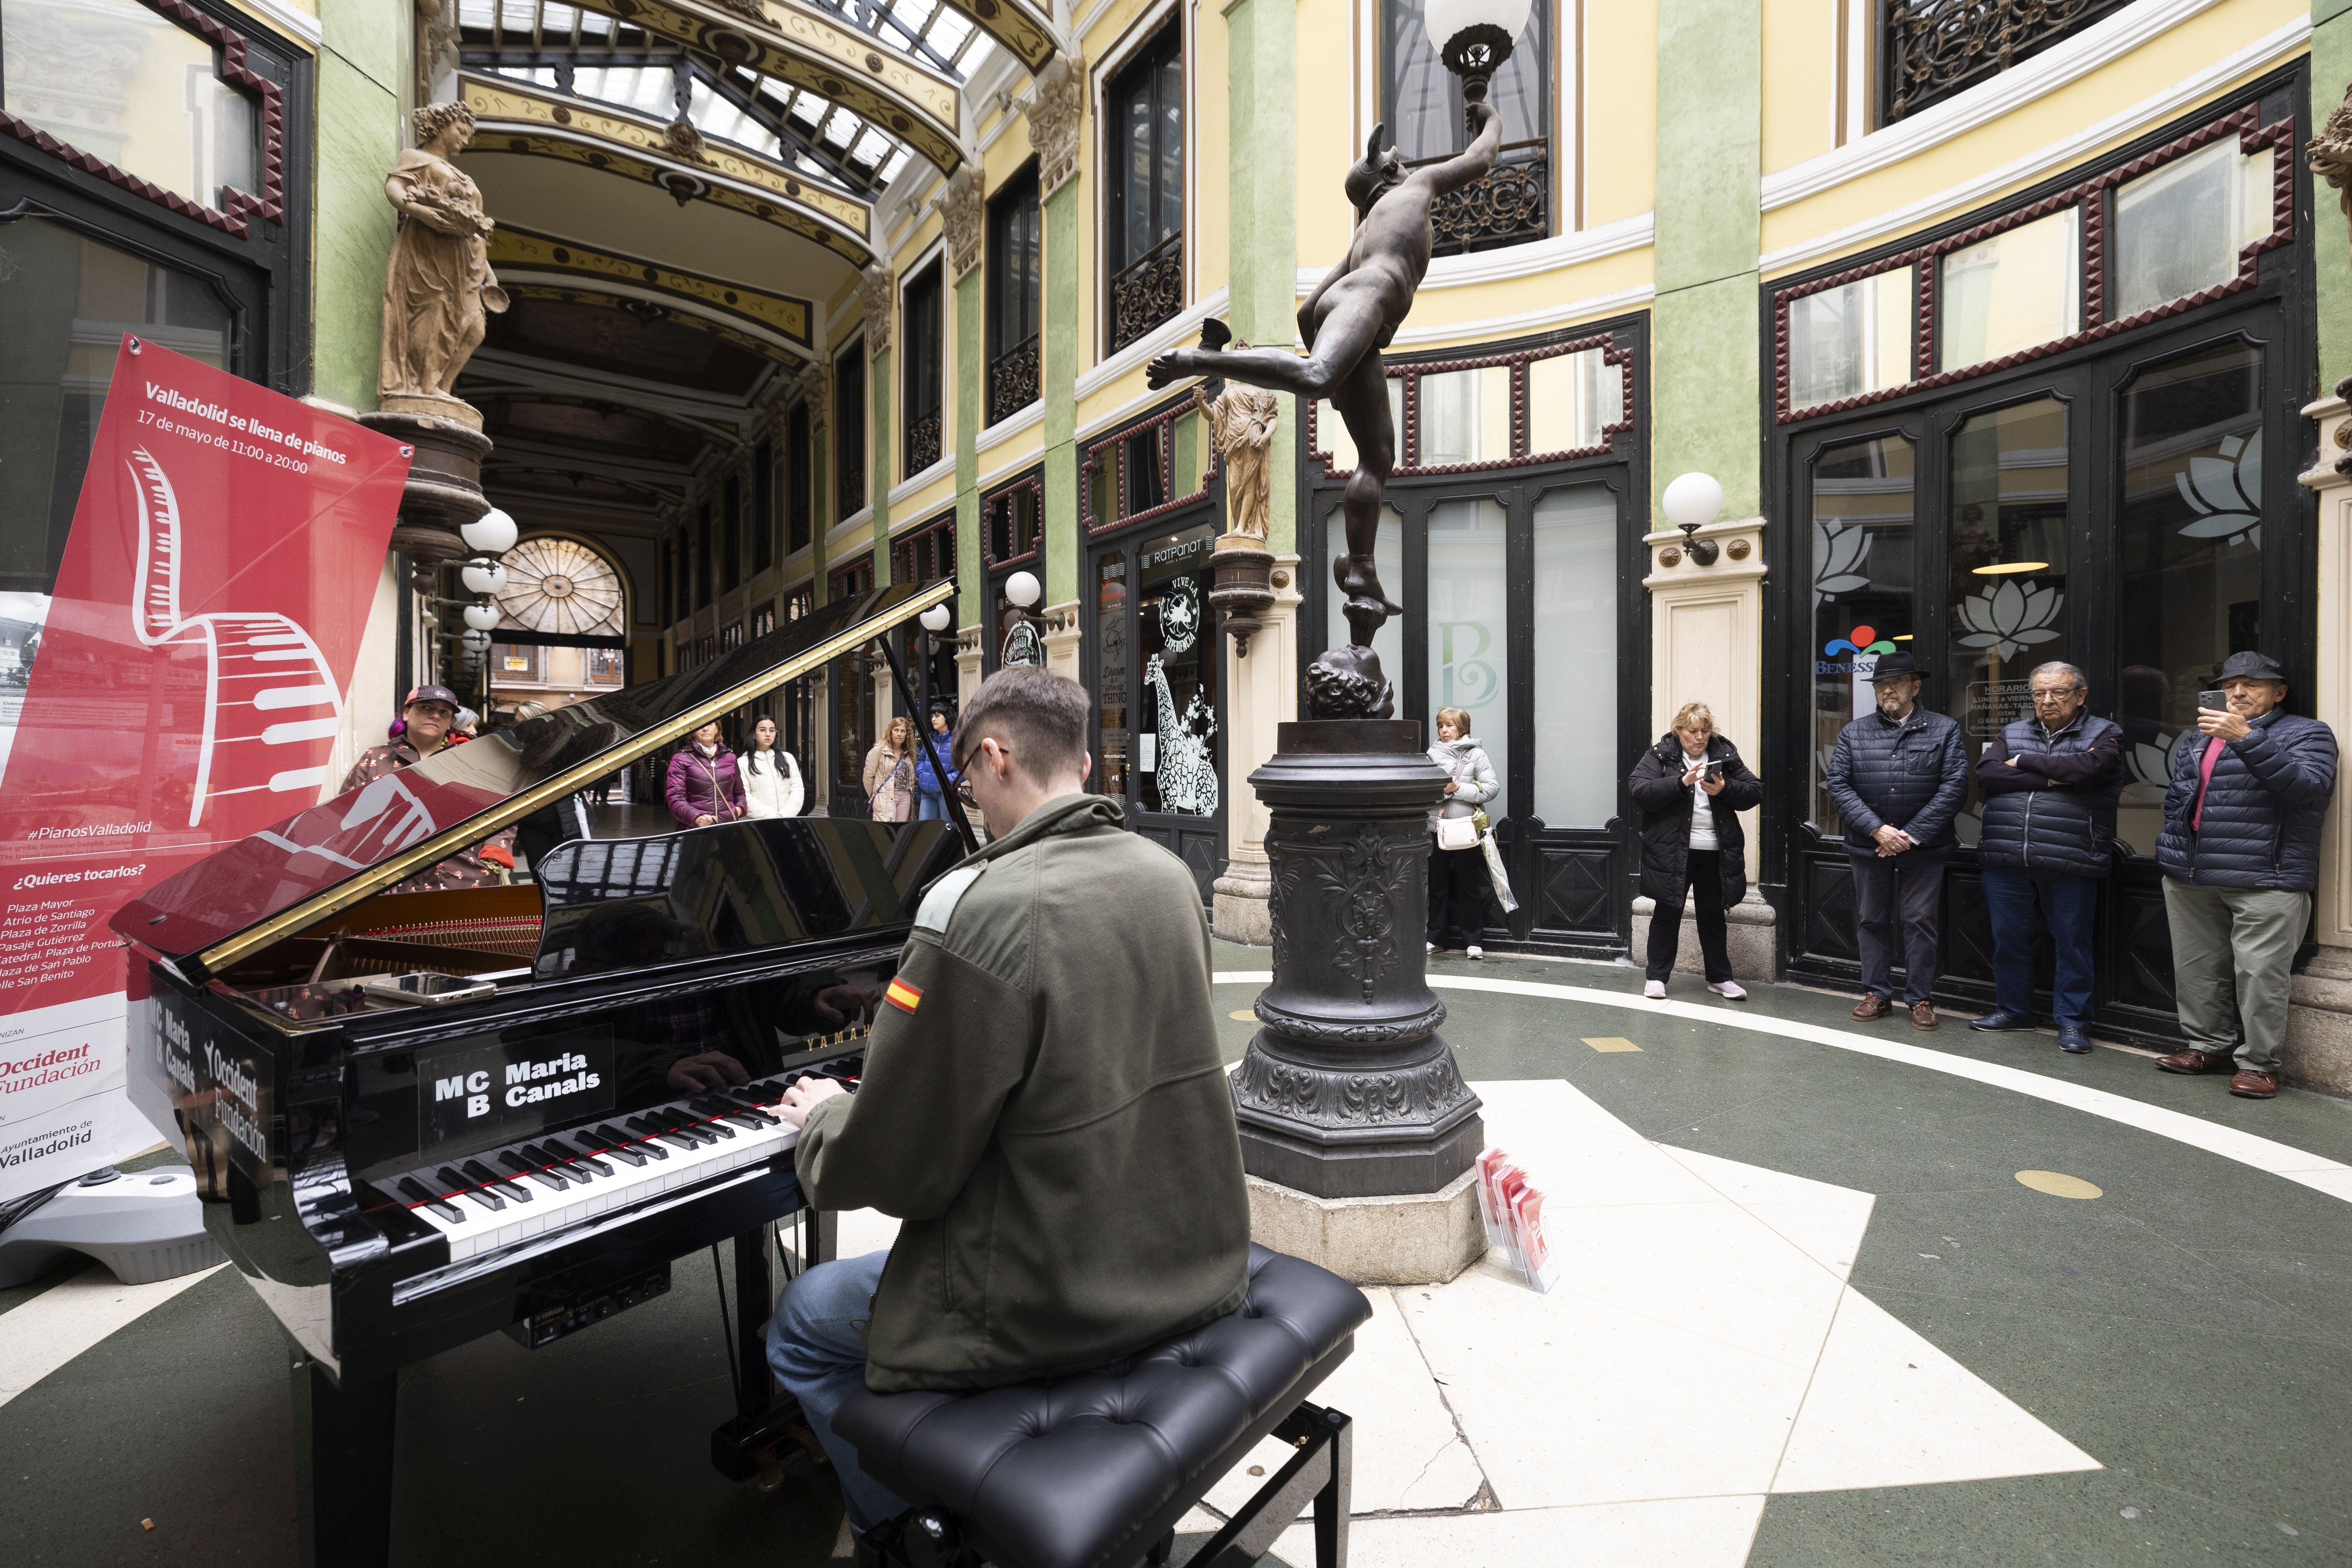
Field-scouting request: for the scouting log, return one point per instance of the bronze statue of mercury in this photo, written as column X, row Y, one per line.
column 1351, row 316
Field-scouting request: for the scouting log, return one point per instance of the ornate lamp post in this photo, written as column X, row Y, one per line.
column 1474, row 37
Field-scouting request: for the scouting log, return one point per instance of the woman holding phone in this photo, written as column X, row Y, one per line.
column 1458, row 881
column 1691, row 788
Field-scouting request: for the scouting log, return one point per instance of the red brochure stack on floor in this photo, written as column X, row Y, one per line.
column 1513, row 1213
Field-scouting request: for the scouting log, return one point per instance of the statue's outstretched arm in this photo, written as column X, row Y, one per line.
column 1475, row 161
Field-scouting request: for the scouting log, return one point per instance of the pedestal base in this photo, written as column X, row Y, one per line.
column 2318, row 1054
column 1746, row 930
column 1422, row 1238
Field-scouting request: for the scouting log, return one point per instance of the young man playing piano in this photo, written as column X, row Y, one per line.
column 1043, row 1106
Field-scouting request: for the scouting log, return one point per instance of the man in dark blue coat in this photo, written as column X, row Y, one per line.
column 2050, row 786
column 1897, row 776
column 2240, row 853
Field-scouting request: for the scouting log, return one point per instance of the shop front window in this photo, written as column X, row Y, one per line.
column 2008, row 572
column 1111, row 693
column 1469, row 636
column 1863, row 574
column 65, row 302
column 2189, row 553
column 1577, row 769
column 1177, row 754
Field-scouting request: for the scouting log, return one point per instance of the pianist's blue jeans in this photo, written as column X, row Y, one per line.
column 817, row 1346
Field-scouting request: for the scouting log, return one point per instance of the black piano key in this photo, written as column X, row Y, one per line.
column 634, row 1154
column 451, row 1180
column 627, row 1145
column 525, row 1168
column 558, row 1160
column 716, row 1129
column 490, row 1178
column 577, row 1151
column 422, row 1196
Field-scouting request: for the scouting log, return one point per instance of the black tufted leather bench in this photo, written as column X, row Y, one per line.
column 1093, row 1470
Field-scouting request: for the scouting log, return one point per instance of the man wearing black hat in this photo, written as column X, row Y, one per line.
column 1897, row 776
column 426, row 719
column 2240, row 853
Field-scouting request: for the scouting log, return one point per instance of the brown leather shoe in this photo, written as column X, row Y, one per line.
column 1872, row 1007
column 2252, row 1085
column 1923, row 1015
column 2195, row 1060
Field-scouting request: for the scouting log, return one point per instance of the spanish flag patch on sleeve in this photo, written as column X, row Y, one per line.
column 903, row 996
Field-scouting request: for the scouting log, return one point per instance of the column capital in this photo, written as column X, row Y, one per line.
column 1054, row 105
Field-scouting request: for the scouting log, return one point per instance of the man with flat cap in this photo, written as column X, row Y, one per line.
column 1897, row 776
column 2240, row 854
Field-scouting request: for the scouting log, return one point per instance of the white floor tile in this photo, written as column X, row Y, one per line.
column 66, row 1320
column 1886, row 1409
column 1687, row 1532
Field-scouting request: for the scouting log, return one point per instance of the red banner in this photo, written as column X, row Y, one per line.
column 183, row 687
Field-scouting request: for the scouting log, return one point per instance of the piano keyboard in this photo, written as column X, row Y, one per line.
column 500, row 1196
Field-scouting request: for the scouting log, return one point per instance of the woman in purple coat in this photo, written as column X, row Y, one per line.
column 704, row 785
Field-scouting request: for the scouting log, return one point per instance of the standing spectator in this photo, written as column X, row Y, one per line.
column 424, row 729
column 1896, row 776
column 930, row 793
column 890, row 773
column 705, row 785
column 1691, row 788
column 2050, row 785
column 1458, row 879
column 2240, row 854
column 772, row 780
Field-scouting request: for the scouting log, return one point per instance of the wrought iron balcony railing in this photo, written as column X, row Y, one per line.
column 922, row 442
column 1147, row 291
column 1935, row 48
column 1013, row 380
column 1510, row 207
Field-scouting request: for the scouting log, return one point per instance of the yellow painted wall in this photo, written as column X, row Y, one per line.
column 1330, row 131
column 1620, row 88
column 1800, row 80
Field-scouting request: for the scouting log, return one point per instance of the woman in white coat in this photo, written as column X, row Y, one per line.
column 772, row 780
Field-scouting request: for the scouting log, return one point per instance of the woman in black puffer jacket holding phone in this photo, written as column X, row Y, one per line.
column 1685, row 849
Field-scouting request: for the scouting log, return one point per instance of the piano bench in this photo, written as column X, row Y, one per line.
column 1095, row 1470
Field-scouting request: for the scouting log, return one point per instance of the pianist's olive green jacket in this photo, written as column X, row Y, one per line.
column 1043, row 1105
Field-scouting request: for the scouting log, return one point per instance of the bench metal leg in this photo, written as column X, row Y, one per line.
column 1317, row 1472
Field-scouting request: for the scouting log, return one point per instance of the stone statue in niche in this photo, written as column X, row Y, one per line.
column 1351, row 316
column 1240, row 422
column 438, row 288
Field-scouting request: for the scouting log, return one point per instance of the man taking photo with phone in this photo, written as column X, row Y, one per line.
column 2240, row 854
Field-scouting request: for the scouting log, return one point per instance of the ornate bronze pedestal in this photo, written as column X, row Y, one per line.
column 1348, row 1090
column 444, row 491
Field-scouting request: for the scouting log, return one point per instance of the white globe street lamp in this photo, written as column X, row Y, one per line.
column 477, row 641
column 492, row 534
column 482, row 617
column 1024, row 589
column 1690, row 502
column 485, row 577
column 1474, row 37
column 937, row 619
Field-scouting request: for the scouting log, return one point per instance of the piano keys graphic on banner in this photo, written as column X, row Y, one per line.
column 187, row 683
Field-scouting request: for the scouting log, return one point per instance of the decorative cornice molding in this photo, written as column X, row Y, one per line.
column 2281, row 44
column 1592, row 307
column 1003, row 430
column 943, row 470
column 1543, row 254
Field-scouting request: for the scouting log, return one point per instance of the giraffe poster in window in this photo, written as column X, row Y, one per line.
column 181, row 687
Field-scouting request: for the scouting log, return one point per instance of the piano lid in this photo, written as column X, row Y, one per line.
column 288, row 877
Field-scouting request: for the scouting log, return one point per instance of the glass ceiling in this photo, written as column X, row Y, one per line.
column 831, row 142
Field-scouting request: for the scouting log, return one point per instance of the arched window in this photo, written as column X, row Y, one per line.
column 561, row 585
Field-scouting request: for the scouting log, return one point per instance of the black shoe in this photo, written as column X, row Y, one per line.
column 2073, row 1041
column 1998, row 1023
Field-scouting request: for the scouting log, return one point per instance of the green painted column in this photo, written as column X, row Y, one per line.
column 1060, row 361
column 362, row 61
column 1261, row 246
column 2331, row 72
column 1705, row 355
column 970, row 603
column 878, row 376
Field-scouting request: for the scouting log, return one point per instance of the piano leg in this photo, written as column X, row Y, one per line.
column 755, row 1303
column 343, row 1469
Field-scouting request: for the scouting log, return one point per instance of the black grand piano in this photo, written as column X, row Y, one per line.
column 421, row 1117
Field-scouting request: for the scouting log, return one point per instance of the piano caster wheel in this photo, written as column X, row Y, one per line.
column 771, row 1477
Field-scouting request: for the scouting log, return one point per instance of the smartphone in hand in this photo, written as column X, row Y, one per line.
column 2219, row 702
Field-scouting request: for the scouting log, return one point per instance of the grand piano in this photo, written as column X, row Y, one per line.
column 423, row 1117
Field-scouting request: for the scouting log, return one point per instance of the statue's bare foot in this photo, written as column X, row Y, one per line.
column 1173, row 365
column 1359, row 578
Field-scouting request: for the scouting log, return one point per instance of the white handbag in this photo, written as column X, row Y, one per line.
column 1457, row 833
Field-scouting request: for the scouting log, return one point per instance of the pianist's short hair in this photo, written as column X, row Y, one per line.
column 1038, row 716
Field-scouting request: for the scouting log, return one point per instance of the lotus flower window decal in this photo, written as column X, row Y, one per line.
column 2225, row 492
column 2009, row 618
column 1840, row 551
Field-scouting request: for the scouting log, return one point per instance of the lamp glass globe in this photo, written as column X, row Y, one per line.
column 1024, row 589
column 492, row 534
column 482, row 617
column 1445, row 20
column 937, row 619
column 1692, row 500
column 485, row 577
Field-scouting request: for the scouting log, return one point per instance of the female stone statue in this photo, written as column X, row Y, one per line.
column 1240, row 422
column 439, row 284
